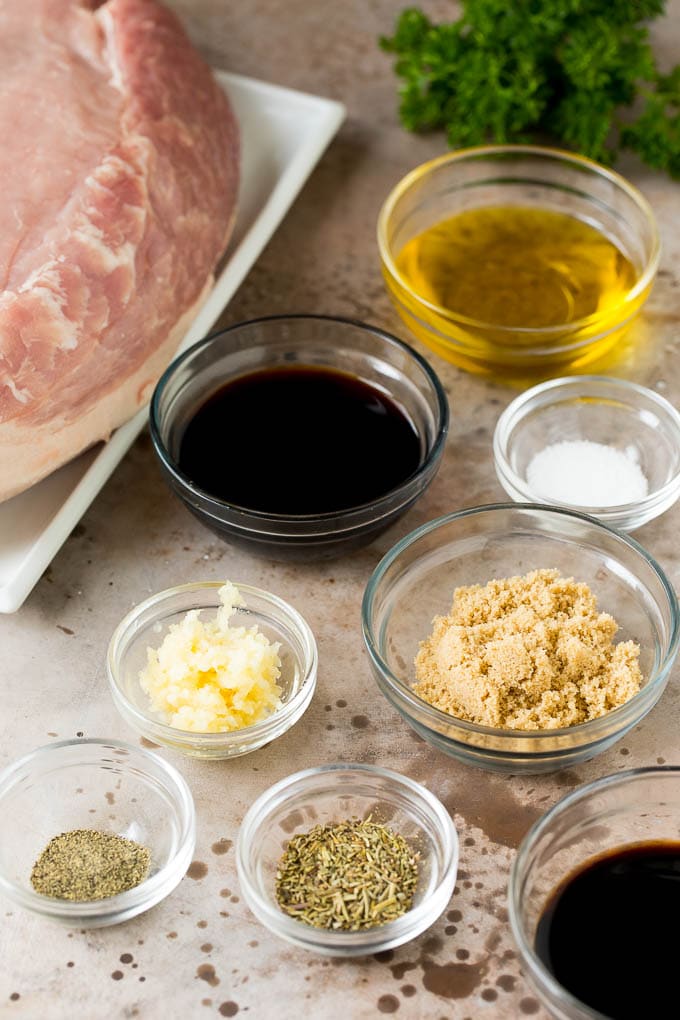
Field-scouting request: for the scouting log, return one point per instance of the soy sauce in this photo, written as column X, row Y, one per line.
column 299, row 440
column 609, row 932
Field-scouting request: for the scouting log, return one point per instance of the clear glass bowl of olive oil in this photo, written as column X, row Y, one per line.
column 518, row 261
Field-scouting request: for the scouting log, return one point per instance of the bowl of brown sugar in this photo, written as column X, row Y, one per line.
column 520, row 638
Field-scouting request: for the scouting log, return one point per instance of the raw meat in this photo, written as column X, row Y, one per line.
column 119, row 169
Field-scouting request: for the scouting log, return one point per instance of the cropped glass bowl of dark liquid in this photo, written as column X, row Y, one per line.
column 299, row 436
column 594, row 897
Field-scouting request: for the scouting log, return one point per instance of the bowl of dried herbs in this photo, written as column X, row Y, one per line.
column 347, row 860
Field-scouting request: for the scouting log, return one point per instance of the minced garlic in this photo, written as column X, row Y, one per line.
column 208, row 677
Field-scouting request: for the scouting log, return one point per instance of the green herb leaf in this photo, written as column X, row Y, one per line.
column 566, row 69
column 655, row 135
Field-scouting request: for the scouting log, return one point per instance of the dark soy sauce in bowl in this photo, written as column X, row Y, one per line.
column 299, row 440
column 608, row 933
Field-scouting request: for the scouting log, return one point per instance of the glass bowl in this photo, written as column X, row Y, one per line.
column 334, row 793
column 621, row 414
column 616, row 811
column 308, row 340
column 528, row 176
column 106, row 785
column 415, row 581
column 146, row 626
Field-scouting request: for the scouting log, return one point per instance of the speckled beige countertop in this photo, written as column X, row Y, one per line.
column 201, row 953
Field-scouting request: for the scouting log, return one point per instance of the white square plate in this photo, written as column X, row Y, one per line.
column 283, row 134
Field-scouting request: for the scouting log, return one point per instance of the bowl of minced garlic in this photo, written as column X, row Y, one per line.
column 212, row 669
column 518, row 637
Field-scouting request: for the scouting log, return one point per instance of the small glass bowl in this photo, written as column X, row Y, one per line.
column 616, row 811
column 106, row 785
column 370, row 354
column 334, row 793
column 520, row 175
column 146, row 626
column 415, row 582
column 615, row 412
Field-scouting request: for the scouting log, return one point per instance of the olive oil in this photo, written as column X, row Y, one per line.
column 517, row 267
column 517, row 293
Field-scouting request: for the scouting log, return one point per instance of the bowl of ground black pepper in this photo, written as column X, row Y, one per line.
column 347, row 860
column 100, row 831
column 593, row 898
column 520, row 638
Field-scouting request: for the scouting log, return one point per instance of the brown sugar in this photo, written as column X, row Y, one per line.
column 526, row 653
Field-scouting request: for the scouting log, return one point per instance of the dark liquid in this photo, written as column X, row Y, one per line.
column 609, row 933
column 299, row 440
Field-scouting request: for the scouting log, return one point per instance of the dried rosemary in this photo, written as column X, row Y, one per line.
column 349, row 875
column 85, row 864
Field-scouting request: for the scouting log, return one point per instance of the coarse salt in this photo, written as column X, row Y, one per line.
column 580, row 472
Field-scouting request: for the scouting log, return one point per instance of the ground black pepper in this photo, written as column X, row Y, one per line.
column 86, row 864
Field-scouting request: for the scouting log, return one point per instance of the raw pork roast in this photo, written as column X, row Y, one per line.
column 119, row 168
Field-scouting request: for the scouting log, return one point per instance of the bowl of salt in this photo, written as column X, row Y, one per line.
column 605, row 446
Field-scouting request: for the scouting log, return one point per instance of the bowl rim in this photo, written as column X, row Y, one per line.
column 348, row 514
column 260, row 730
column 419, row 172
column 296, row 931
column 440, row 718
column 516, row 411
column 538, row 971
column 146, row 892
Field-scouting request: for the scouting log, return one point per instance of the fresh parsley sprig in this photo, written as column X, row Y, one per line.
column 568, row 70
